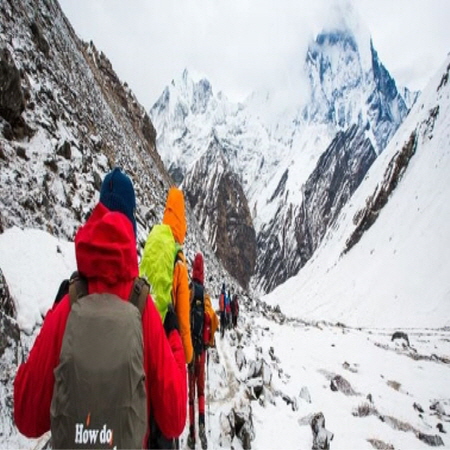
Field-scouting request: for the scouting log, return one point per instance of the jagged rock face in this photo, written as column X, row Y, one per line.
column 336, row 84
column 223, row 210
column 365, row 218
column 334, row 70
column 338, row 173
column 79, row 119
column 285, row 167
column 9, row 353
column 236, row 240
column 339, row 78
column 12, row 101
column 387, row 108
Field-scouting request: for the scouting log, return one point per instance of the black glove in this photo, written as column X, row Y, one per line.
column 191, row 366
column 62, row 291
column 171, row 321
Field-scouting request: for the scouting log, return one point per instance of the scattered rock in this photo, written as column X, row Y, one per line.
column 305, row 395
column 272, row 355
column 52, row 164
column 394, row 385
column 10, row 335
column 39, row 38
column 240, row 357
column 396, row 424
column 349, row 367
column 440, row 427
column 7, row 305
column 433, row 440
column 12, row 101
column 365, row 410
column 261, row 369
column 339, row 383
column 417, row 407
column 380, row 445
column 439, row 408
column 321, row 436
column 244, row 425
column 237, row 423
column 22, row 153
column 226, row 429
column 401, row 335
column 290, row 401
column 64, row 150
column 7, row 133
column 255, row 388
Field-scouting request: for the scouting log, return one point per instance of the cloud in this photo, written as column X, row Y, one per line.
column 242, row 45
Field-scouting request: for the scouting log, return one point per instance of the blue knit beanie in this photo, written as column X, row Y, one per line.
column 117, row 194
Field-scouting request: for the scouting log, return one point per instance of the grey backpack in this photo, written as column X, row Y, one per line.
column 99, row 397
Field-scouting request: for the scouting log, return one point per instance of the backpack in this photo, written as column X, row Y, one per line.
column 227, row 303
column 157, row 264
column 222, row 301
column 235, row 305
column 197, row 317
column 213, row 322
column 99, row 396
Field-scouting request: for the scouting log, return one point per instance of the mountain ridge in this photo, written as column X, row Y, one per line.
column 383, row 262
column 345, row 89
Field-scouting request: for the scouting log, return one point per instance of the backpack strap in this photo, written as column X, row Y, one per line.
column 179, row 258
column 77, row 287
column 139, row 293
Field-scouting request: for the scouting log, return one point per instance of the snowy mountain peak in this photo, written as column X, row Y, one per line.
column 384, row 263
column 267, row 145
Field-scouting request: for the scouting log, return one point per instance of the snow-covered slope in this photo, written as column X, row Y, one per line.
column 270, row 376
column 398, row 272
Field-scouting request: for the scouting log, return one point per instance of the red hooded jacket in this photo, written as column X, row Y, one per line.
column 106, row 254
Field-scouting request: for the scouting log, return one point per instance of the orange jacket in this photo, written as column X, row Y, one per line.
column 213, row 321
column 175, row 217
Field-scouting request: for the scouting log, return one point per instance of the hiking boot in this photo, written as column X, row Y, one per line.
column 191, row 441
column 202, row 435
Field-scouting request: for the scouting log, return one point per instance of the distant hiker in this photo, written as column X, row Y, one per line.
column 223, row 316
column 204, row 323
column 234, row 309
column 164, row 266
column 228, row 309
column 103, row 361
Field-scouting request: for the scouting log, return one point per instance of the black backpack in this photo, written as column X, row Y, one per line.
column 197, row 317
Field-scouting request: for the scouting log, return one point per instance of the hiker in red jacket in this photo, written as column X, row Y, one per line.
column 106, row 255
column 204, row 323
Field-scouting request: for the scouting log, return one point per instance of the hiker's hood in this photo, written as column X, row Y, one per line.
column 174, row 214
column 105, row 247
column 198, row 269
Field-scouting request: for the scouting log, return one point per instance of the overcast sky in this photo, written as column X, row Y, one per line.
column 240, row 45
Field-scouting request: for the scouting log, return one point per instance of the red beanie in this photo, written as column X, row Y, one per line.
column 198, row 269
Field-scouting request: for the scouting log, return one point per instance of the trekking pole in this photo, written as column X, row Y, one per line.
column 207, row 391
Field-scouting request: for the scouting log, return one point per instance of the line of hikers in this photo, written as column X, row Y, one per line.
column 228, row 309
column 124, row 346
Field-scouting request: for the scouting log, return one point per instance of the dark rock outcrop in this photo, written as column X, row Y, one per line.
column 366, row 217
column 222, row 212
column 321, row 436
column 338, row 173
column 12, row 101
